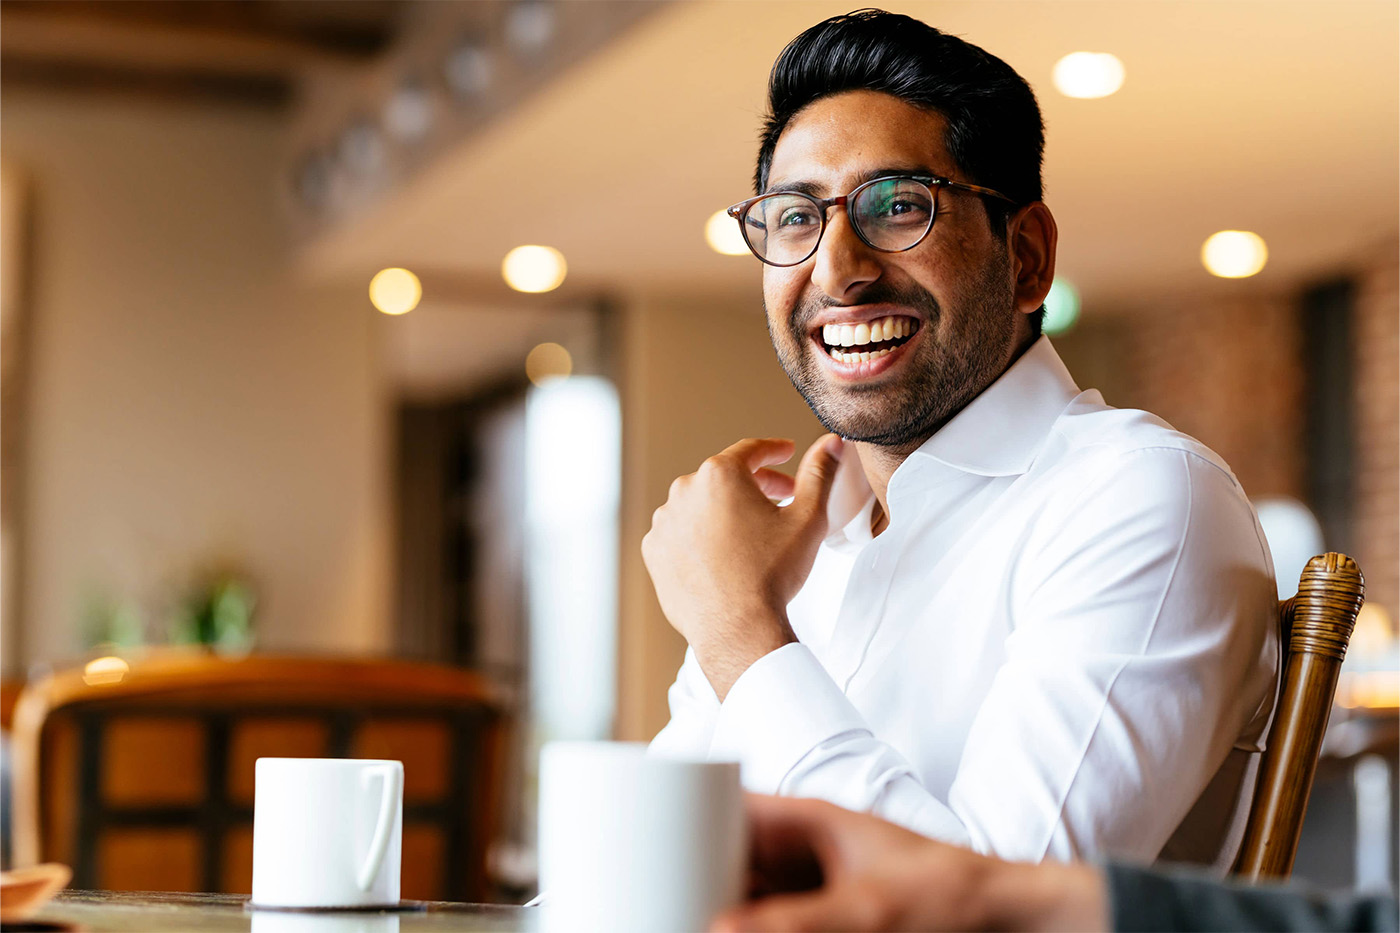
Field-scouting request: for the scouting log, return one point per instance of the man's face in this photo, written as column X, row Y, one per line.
column 952, row 295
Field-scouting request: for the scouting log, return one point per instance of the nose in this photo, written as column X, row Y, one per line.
column 843, row 264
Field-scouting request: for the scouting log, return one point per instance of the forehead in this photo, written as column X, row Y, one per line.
column 839, row 139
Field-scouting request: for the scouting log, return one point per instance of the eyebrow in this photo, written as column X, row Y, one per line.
column 812, row 189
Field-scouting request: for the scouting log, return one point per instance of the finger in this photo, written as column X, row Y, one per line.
column 817, row 472
column 775, row 485
column 817, row 911
column 755, row 452
column 789, row 842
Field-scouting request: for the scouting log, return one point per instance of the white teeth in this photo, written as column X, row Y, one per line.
column 849, row 335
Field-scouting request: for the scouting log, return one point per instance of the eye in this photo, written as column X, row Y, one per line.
column 798, row 215
column 897, row 202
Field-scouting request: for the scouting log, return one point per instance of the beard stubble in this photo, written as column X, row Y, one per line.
column 948, row 369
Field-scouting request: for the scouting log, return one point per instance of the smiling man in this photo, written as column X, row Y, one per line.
column 996, row 610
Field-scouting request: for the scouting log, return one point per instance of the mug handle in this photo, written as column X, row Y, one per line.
column 385, row 826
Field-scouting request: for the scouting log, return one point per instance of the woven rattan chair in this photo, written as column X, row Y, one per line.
column 144, row 780
column 1315, row 625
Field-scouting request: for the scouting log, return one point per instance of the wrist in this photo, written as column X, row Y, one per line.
column 753, row 636
column 1049, row 896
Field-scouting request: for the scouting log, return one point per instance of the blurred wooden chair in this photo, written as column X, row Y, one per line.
column 140, row 777
column 1315, row 626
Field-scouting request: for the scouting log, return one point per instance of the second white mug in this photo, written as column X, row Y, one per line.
column 630, row 842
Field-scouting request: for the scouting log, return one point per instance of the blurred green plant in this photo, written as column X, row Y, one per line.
column 218, row 613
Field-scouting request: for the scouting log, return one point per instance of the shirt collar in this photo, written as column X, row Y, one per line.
column 998, row 433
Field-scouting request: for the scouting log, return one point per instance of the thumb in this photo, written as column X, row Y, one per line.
column 817, row 472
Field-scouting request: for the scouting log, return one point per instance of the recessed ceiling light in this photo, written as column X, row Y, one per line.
column 469, row 69
column 395, row 291
column 1088, row 74
column 1234, row 254
column 408, row 113
column 723, row 235
column 534, row 268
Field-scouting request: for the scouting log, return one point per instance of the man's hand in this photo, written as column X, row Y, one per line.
column 726, row 560
column 815, row 866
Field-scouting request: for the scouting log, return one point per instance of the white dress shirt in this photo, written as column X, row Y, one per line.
column 1063, row 644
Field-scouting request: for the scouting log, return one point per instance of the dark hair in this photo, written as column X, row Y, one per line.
column 995, row 133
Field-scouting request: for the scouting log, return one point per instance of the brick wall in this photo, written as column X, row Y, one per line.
column 1229, row 373
column 1376, row 516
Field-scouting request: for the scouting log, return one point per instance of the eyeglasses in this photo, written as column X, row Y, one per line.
column 889, row 214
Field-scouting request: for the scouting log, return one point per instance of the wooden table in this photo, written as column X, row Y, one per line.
column 124, row 912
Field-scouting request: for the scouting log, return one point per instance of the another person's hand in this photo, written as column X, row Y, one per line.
column 815, row 866
column 726, row 560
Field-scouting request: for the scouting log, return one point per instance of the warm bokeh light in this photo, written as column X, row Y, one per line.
column 1373, row 638
column 722, row 233
column 1061, row 307
column 1369, row 690
column 1234, row 254
column 395, row 291
column 108, row 670
column 548, row 361
column 1088, row 74
column 534, row 268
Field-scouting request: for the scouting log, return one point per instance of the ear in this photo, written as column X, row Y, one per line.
column 1032, row 235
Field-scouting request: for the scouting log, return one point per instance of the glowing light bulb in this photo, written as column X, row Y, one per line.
column 1234, row 254
column 723, row 235
column 395, row 291
column 534, row 268
column 1088, row 74
column 547, row 362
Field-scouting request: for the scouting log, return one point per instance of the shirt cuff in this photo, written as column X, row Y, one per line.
column 781, row 708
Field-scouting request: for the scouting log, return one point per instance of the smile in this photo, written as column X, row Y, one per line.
column 865, row 349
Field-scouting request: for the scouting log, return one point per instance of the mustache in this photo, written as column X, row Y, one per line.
column 916, row 299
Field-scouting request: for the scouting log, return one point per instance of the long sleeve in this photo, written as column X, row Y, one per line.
column 1140, row 611
column 694, row 707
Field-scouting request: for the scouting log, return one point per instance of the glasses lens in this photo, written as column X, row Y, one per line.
column 783, row 228
column 893, row 213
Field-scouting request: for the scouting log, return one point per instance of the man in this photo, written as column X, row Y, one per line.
column 819, row 867
column 999, row 612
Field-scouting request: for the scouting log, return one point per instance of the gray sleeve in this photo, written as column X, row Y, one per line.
column 1182, row 899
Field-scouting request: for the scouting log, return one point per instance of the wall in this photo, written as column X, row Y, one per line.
column 698, row 374
column 191, row 402
column 1377, row 400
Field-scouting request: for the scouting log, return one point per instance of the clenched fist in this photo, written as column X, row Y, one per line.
column 726, row 560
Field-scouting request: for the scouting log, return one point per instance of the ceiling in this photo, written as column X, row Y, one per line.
column 1279, row 117
column 251, row 52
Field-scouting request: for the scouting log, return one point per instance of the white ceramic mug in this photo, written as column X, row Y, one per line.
column 327, row 832
column 635, row 843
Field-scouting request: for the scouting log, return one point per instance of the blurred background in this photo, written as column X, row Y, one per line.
column 218, row 432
